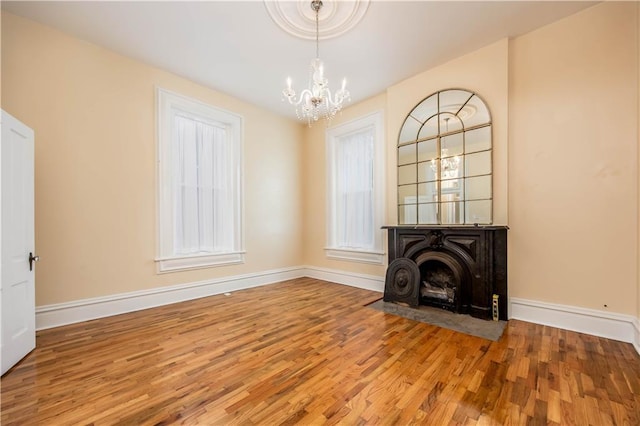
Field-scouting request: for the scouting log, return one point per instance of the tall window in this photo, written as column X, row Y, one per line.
column 445, row 161
column 200, row 190
column 355, row 190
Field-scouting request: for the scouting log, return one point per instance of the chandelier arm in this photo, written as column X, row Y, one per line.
column 326, row 93
column 340, row 97
column 301, row 97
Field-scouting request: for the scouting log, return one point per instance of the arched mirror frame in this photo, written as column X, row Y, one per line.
column 445, row 161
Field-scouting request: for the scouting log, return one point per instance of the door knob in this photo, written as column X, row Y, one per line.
column 32, row 259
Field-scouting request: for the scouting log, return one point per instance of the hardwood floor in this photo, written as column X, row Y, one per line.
column 309, row 352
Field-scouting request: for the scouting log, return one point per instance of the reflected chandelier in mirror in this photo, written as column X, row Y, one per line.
column 445, row 161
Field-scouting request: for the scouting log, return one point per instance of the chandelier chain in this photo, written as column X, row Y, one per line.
column 317, row 9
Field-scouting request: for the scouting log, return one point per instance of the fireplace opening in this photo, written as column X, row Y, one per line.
column 438, row 285
column 441, row 280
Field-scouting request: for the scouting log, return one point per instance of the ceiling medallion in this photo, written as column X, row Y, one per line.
column 297, row 19
column 446, row 111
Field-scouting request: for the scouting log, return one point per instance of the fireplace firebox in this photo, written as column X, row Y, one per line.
column 459, row 268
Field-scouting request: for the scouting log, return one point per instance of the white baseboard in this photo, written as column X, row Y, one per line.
column 49, row 316
column 367, row 282
column 590, row 321
column 636, row 341
column 56, row 315
column 625, row 328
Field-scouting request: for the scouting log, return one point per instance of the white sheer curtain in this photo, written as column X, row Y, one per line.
column 354, row 191
column 203, row 223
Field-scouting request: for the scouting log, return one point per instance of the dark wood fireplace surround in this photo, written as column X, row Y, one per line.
column 466, row 264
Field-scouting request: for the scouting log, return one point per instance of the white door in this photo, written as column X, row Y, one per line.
column 17, row 271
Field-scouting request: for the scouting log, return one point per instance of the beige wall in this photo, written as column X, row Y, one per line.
column 573, row 157
column 483, row 72
column 314, row 183
column 565, row 108
column 93, row 113
column 564, row 102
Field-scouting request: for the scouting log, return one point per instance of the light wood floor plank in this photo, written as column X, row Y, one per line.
column 309, row 352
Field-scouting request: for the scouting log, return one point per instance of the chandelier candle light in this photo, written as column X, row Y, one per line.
column 316, row 101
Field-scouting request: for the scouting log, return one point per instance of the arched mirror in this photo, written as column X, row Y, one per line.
column 445, row 161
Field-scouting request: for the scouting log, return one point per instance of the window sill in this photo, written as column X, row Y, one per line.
column 181, row 263
column 373, row 257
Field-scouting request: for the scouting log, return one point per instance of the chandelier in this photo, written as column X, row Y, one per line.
column 316, row 101
column 448, row 165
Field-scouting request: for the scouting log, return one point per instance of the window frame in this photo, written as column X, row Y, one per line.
column 375, row 255
column 167, row 104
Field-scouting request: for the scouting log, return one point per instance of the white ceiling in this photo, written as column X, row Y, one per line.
column 236, row 48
